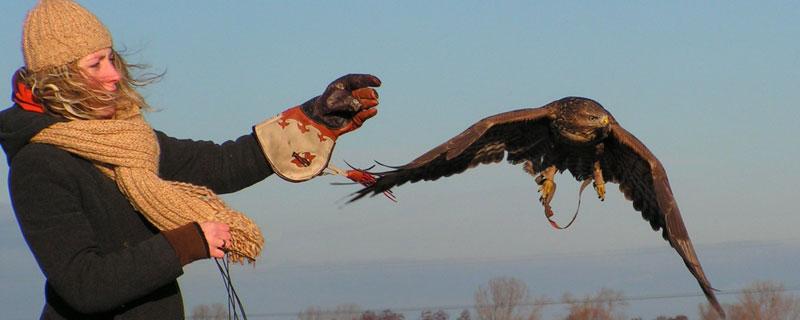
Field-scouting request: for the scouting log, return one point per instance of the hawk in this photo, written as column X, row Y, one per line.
column 571, row 134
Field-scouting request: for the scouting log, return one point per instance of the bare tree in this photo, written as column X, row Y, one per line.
column 465, row 315
column 341, row 312
column 348, row 311
column 310, row 313
column 507, row 299
column 201, row 312
column 216, row 311
column 760, row 301
column 606, row 305
column 678, row 317
column 708, row 313
column 219, row 311
column 430, row 315
column 384, row 315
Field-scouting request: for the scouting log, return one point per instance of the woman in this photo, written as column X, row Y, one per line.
column 112, row 209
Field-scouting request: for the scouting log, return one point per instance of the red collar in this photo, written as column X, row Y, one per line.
column 23, row 95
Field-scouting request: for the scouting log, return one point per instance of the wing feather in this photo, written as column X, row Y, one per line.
column 643, row 180
column 516, row 133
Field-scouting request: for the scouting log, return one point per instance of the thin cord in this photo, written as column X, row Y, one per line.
column 233, row 290
column 227, row 287
column 227, row 275
column 234, row 303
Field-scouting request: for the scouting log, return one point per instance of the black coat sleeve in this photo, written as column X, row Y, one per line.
column 224, row 168
column 47, row 199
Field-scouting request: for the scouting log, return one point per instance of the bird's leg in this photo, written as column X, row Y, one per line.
column 599, row 183
column 547, row 188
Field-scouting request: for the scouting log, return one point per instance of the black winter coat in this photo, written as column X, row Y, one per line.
column 102, row 259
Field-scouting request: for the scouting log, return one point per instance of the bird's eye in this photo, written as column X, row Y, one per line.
column 593, row 118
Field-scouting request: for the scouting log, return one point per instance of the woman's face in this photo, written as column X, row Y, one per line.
column 98, row 68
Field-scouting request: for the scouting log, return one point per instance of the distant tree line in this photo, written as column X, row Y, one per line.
column 509, row 299
column 215, row 311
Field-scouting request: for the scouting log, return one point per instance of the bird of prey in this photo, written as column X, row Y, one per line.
column 573, row 134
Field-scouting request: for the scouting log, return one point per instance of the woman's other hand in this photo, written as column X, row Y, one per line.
column 218, row 237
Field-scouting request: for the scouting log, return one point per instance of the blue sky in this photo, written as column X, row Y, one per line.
column 710, row 88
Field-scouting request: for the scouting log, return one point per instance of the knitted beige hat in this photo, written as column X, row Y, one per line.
column 57, row 32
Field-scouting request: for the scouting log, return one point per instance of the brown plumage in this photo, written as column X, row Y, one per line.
column 574, row 134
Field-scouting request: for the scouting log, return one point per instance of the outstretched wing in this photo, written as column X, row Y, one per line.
column 524, row 134
column 644, row 181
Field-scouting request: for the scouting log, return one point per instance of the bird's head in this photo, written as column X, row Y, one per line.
column 581, row 120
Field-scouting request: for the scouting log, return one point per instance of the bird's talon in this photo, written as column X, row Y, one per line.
column 547, row 189
column 601, row 191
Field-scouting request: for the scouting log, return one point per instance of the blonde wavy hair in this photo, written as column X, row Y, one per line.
column 64, row 91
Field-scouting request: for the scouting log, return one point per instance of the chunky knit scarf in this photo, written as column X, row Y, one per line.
column 127, row 151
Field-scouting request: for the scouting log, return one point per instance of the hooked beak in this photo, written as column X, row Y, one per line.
column 604, row 121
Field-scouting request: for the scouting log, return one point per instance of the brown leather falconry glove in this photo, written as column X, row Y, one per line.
column 298, row 142
column 345, row 104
